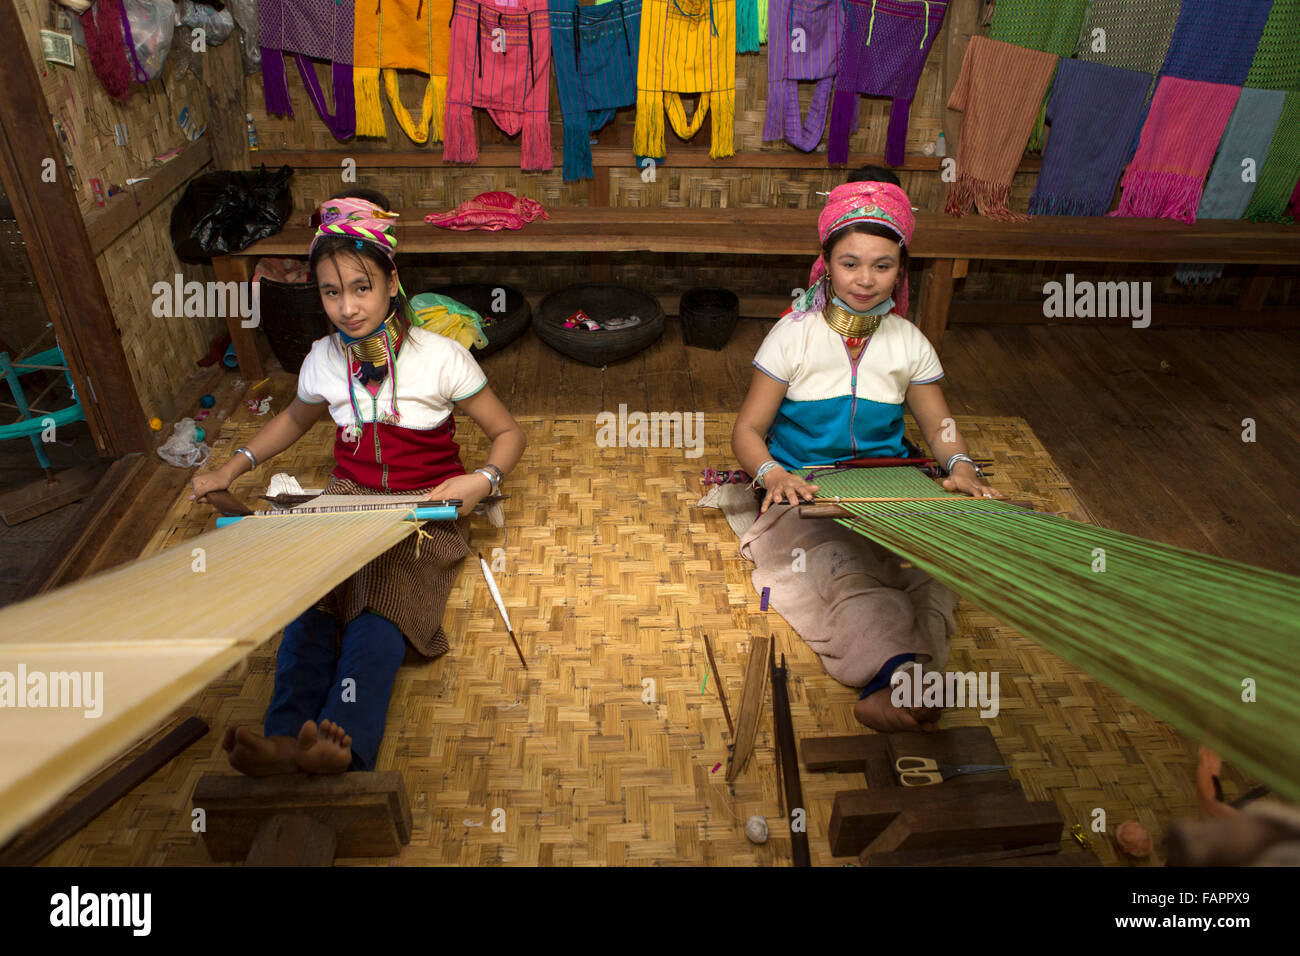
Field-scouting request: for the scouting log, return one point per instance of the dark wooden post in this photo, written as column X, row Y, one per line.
column 61, row 256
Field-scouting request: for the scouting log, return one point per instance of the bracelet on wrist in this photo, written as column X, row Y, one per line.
column 959, row 457
column 242, row 450
column 763, row 469
column 493, row 478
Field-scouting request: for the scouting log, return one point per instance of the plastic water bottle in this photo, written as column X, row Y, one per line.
column 252, row 133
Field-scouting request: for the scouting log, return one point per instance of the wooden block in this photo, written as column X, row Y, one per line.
column 859, row 816
column 953, row 856
column 369, row 812
column 841, row 754
column 989, row 820
column 957, row 747
column 292, row 839
column 856, row 753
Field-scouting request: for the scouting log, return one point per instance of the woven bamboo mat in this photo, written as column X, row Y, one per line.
column 611, row 576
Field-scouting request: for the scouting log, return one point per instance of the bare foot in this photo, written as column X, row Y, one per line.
column 324, row 750
column 259, row 756
column 878, row 712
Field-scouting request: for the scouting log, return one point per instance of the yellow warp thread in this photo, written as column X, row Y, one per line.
column 420, row 535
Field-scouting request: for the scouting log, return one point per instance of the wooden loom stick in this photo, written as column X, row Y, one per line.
column 722, row 693
column 788, row 758
column 751, row 703
column 833, row 508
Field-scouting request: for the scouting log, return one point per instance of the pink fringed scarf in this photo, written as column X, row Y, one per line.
column 1181, row 133
column 102, row 25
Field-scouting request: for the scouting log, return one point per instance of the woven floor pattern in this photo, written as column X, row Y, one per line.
column 611, row 576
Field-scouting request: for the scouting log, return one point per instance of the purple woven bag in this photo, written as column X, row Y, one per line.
column 803, row 42
column 882, row 52
column 309, row 29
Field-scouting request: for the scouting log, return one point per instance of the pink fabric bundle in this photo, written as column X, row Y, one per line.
column 1179, row 138
column 491, row 212
column 850, row 203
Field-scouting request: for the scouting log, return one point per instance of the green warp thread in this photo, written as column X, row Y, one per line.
column 1179, row 633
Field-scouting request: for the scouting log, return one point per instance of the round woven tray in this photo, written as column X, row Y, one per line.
column 506, row 326
column 293, row 318
column 601, row 302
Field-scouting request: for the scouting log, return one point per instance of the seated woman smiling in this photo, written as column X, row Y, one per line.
column 830, row 382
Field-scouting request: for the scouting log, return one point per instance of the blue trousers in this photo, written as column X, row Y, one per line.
column 349, row 685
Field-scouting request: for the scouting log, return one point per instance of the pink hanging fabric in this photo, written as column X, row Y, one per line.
column 1184, row 125
column 501, row 62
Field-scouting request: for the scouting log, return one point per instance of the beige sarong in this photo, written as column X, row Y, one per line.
column 847, row 596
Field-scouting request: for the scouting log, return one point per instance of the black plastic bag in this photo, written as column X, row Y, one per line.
column 229, row 210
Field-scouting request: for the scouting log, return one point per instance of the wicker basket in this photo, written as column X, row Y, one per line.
column 601, row 302
column 293, row 318
column 505, row 326
column 708, row 317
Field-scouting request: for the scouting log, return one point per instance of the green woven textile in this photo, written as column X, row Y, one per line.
column 1137, row 33
column 1048, row 25
column 1176, row 632
column 1277, row 58
column 1281, row 169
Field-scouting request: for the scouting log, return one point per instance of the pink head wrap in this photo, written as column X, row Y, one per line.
column 357, row 219
column 851, row 203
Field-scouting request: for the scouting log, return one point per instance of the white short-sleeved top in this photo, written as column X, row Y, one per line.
column 432, row 373
column 835, row 408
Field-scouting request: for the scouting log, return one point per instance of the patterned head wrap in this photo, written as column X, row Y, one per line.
column 847, row 205
column 358, row 219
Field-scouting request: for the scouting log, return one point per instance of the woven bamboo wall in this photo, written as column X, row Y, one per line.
column 160, row 352
column 443, row 188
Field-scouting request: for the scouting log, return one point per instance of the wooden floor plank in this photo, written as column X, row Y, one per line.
column 1121, row 485
column 624, row 383
column 669, row 386
column 1213, row 488
column 1214, row 405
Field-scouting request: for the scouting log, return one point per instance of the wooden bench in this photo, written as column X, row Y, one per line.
column 944, row 244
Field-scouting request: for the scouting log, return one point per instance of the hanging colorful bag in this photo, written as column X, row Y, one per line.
column 594, row 49
column 500, row 62
column 400, row 35
column 882, row 53
column 805, row 46
column 308, row 29
column 687, row 46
